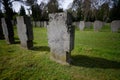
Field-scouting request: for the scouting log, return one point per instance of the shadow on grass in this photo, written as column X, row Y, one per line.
column 34, row 43
column 94, row 62
column 41, row 48
column 17, row 42
column 16, row 38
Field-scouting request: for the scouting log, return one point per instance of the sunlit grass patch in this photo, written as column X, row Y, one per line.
column 96, row 56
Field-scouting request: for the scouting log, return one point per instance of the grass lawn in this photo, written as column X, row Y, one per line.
column 96, row 56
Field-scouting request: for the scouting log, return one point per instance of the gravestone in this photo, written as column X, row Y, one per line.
column 1, row 31
column 88, row 24
column 45, row 24
column 98, row 25
column 41, row 23
column 115, row 26
column 33, row 23
column 13, row 22
column 8, row 30
column 38, row 23
column 81, row 25
column 25, row 31
column 60, row 37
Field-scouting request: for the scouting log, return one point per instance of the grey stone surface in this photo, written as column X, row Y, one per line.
column 88, row 24
column 98, row 25
column 25, row 31
column 33, row 23
column 41, row 23
column 45, row 24
column 13, row 22
column 8, row 30
column 60, row 37
column 81, row 25
column 115, row 26
column 1, row 31
column 38, row 23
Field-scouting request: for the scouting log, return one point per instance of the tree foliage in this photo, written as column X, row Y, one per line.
column 52, row 6
column 22, row 11
column 115, row 11
column 7, row 8
column 83, row 9
column 102, row 13
column 44, row 14
column 92, row 10
column 1, row 14
column 36, row 12
column 77, row 5
column 30, row 2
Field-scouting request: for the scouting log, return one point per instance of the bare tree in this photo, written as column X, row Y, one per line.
column 52, row 6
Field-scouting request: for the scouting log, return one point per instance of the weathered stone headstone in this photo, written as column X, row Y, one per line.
column 41, row 23
column 45, row 24
column 13, row 22
column 1, row 31
column 60, row 37
column 98, row 25
column 82, row 25
column 8, row 30
column 88, row 24
column 25, row 31
column 38, row 23
column 115, row 26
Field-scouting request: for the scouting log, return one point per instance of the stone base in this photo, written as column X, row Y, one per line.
column 27, row 44
column 30, row 44
column 61, row 58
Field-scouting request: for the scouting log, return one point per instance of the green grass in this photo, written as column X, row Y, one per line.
column 96, row 56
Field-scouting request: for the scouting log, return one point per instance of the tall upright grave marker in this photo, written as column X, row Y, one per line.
column 25, row 31
column 60, row 37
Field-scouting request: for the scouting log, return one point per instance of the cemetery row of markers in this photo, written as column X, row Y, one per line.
column 60, row 34
column 97, row 25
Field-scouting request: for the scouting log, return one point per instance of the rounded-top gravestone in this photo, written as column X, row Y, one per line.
column 98, row 25
column 88, row 24
column 115, row 26
column 82, row 25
